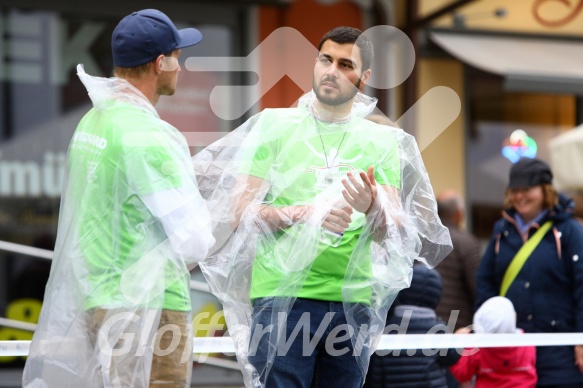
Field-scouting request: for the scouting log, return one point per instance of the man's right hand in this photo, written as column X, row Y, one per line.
column 338, row 219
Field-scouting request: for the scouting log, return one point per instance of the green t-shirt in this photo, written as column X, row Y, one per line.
column 294, row 163
column 108, row 177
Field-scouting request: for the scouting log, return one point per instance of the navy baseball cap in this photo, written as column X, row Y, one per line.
column 141, row 37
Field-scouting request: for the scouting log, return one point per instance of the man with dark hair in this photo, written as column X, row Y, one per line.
column 117, row 309
column 328, row 226
column 351, row 35
column 339, row 72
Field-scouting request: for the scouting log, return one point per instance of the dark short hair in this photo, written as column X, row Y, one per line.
column 345, row 34
column 447, row 209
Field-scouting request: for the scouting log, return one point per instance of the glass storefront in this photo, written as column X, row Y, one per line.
column 503, row 126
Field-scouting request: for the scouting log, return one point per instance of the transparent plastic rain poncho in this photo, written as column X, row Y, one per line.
column 258, row 177
column 131, row 222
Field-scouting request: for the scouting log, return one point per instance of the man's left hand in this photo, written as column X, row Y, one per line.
column 361, row 196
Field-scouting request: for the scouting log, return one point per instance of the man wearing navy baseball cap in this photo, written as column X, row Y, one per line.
column 142, row 36
column 148, row 42
column 117, row 309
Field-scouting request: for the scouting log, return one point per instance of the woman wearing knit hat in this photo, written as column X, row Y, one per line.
column 533, row 260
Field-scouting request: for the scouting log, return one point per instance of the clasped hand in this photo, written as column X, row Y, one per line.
column 338, row 219
column 359, row 195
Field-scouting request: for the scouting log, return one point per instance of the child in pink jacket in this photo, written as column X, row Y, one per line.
column 507, row 367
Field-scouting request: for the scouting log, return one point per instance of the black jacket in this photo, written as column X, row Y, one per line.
column 548, row 291
column 458, row 274
column 414, row 368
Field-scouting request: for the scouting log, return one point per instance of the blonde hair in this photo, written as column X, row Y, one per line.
column 550, row 197
column 132, row 72
column 137, row 71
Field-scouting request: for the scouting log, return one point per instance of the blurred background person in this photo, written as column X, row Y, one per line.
column 414, row 314
column 546, row 284
column 458, row 269
column 505, row 367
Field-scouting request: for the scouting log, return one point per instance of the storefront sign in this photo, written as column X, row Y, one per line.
column 572, row 10
column 519, row 145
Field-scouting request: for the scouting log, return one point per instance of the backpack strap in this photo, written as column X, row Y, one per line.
column 521, row 256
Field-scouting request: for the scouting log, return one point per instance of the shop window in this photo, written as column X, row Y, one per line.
column 494, row 115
